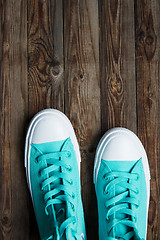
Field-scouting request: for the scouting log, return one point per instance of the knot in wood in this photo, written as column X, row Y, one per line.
column 150, row 95
column 6, row 46
column 141, row 36
column 55, row 71
column 5, row 221
column 149, row 40
column 115, row 83
column 146, row 40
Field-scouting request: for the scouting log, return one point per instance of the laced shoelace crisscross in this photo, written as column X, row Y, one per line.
column 119, row 204
column 59, row 193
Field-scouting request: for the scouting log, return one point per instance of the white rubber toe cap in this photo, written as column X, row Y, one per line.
column 121, row 147
column 50, row 127
column 47, row 126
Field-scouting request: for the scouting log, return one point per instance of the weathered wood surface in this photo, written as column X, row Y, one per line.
column 96, row 60
column 14, row 215
column 147, row 72
column 45, row 55
column 45, row 63
column 117, row 64
column 82, row 91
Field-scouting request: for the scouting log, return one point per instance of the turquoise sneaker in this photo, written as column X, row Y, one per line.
column 52, row 161
column 122, row 184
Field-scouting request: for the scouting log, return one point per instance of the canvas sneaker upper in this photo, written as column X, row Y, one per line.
column 122, row 186
column 53, row 178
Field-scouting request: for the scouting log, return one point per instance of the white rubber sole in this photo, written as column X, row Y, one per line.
column 102, row 145
column 30, row 132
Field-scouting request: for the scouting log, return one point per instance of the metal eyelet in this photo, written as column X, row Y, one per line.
column 137, row 205
column 69, row 168
column 104, row 177
column 73, row 208
column 73, row 195
column 137, row 177
column 68, row 154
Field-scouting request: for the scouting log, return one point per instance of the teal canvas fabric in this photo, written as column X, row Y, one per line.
column 122, row 200
column 56, row 191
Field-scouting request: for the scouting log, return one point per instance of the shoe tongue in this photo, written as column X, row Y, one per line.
column 120, row 166
column 49, row 147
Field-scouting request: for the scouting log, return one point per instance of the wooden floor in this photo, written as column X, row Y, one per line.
column 98, row 62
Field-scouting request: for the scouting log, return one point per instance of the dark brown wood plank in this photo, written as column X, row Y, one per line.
column 45, row 54
column 5, row 164
column 117, row 64
column 82, row 92
column 80, row 95
column 148, row 83
column 45, row 62
column 14, row 217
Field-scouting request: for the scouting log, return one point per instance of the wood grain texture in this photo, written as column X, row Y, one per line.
column 45, row 55
column 5, row 164
column 82, row 92
column 117, row 64
column 96, row 60
column 13, row 108
column 45, row 62
column 147, row 69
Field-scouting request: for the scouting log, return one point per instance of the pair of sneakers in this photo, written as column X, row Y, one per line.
column 121, row 178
